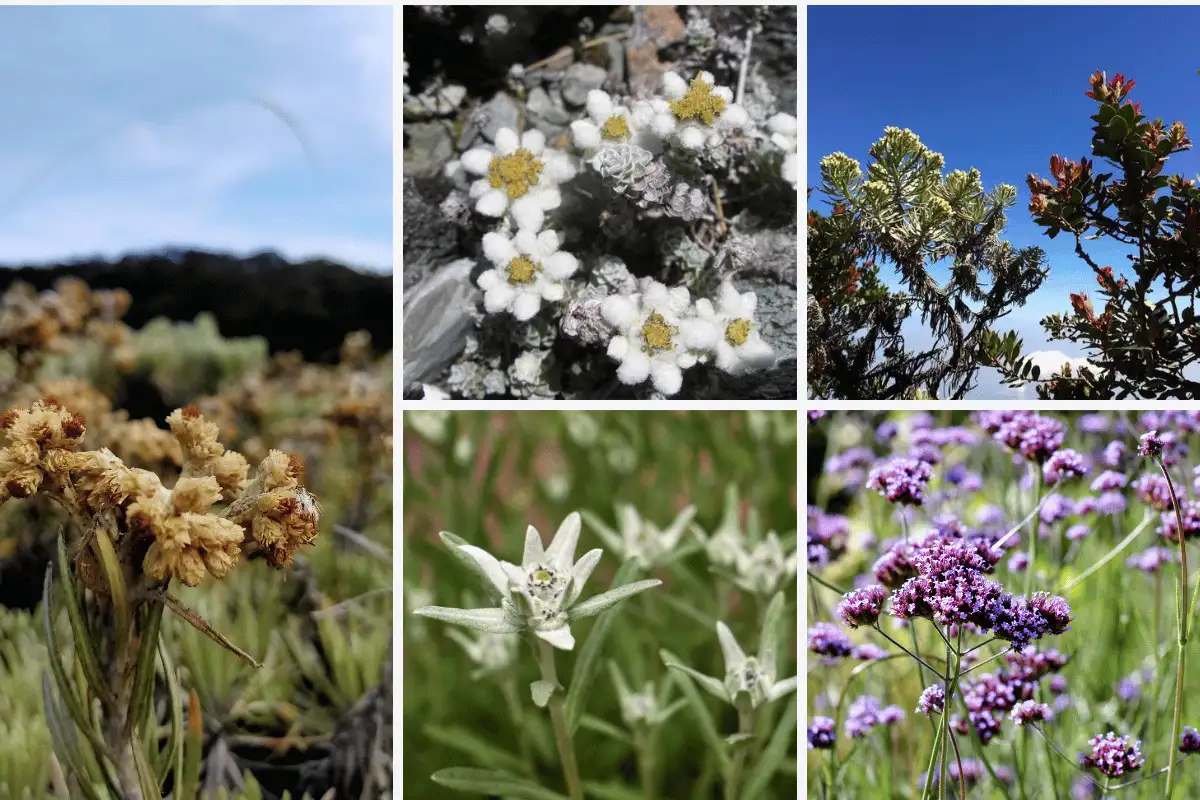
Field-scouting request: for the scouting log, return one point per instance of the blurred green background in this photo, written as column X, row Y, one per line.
column 485, row 476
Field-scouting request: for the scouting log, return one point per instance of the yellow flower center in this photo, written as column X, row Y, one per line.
column 516, row 174
column 657, row 334
column 541, row 575
column 699, row 102
column 615, row 128
column 737, row 332
column 522, row 270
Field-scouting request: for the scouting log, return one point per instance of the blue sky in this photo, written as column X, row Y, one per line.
column 1000, row 89
column 134, row 128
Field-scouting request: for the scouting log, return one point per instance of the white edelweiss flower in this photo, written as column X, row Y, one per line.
column 645, row 708
column 749, row 680
column 520, row 177
column 783, row 135
column 541, row 594
column 698, row 114
column 738, row 345
column 491, row 652
column 528, row 268
column 723, row 545
column 609, row 124
column 637, row 538
column 763, row 567
column 656, row 335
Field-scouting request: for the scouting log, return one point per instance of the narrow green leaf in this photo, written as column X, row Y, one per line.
column 480, row 750
column 143, row 677
column 704, row 717
column 773, row 756
column 63, row 742
column 597, row 725
column 710, row 684
column 116, row 582
column 65, row 690
column 193, row 749
column 85, row 652
column 610, row 791
column 173, row 757
column 587, row 665
column 145, row 775
column 605, row 601
column 492, row 783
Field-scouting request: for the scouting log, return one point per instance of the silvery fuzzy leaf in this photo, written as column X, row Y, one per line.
column 542, row 690
column 455, row 543
column 558, row 637
column 600, row 602
column 490, row 620
column 770, row 635
column 730, row 649
column 783, row 687
column 707, row 682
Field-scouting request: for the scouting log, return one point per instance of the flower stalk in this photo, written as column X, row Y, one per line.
column 562, row 735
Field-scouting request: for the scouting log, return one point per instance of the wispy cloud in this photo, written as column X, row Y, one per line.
column 133, row 128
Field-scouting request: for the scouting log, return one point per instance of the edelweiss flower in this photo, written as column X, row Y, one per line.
column 646, row 708
column 610, row 124
column 723, row 545
column 639, row 538
column 699, row 114
column 541, row 594
column 529, row 268
column 738, row 345
column 657, row 335
column 747, row 678
column 763, row 567
column 783, row 134
column 520, row 177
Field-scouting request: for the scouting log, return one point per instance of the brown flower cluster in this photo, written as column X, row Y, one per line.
column 34, row 324
column 167, row 532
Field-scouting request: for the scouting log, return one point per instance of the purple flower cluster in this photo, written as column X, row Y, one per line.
column 813, row 416
column 827, row 534
column 1113, row 755
column 821, row 734
column 862, row 606
column 901, row 480
column 1152, row 559
column 992, row 695
column 1189, row 740
column 868, row 651
column 1035, row 437
column 865, row 714
column 1063, row 464
column 1030, row 711
column 1109, row 481
column 827, row 639
column 1114, row 454
column 932, row 700
column 1151, row 445
column 1153, row 490
column 1190, row 513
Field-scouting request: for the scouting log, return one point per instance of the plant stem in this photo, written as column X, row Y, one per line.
column 1183, row 631
column 562, row 736
column 746, row 726
column 509, row 687
column 1037, row 524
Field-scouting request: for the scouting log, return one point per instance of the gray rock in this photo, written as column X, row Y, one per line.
column 501, row 111
column 428, row 238
column 579, row 80
column 429, row 145
column 542, row 106
column 437, row 319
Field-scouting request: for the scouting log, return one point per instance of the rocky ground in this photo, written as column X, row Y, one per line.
column 471, row 71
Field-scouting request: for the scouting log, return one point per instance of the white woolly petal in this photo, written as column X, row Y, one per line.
column 734, row 116
column 552, row 292
column 698, row 334
column 547, row 244
column 516, row 575
column 492, row 203
column 490, row 279
column 619, row 311
column 686, row 360
column 561, row 552
column 498, row 298
column 599, row 105
column 618, row 346
column 525, row 240
column 791, row 168
column 528, row 215
column 723, row 92
column 674, row 86
column 498, row 248
column 476, row 160
column 507, row 141
column 533, row 547
column 655, row 294
column 534, row 141
column 452, row 169
column 663, row 124
column 666, row 376
column 691, row 137
column 708, row 78
column 640, row 113
column 727, row 360
column 782, row 123
column 547, row 199
column 560, row 265
column 479, row 188
column 526, row 306
column 679, row 299
column 704, row 308
column 730, row 649
column 557, row 167
column 585, row 134
column 558, row 637
column 756, row 352
column 735, row 304
column 635, row 367
column 490, row 566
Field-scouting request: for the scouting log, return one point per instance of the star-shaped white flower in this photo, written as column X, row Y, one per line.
column 739, row 346
column 519, row 177
column 783, row 134
column 656, row 333
column 541, row 594
column 749, row 680
column 609, row 124
column 528, row 268
column 638, row 538
column 698, row 114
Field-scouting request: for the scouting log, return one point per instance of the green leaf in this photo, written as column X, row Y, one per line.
column 542, row 691
column 147, row 780
column 116, row 582
column 453, row 542
column 587, row 665
column 492, row 782
column 479, row 749
column 603, row 602
column 610, row 791
column 773, row 756
column 605, row 729
column 85, row 651
column 1037, row 372
column 704, row 717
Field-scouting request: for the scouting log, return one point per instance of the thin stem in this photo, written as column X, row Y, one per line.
column 912, row 655
column 989, row 660
column 562, row 736
column 1182, row 627
column 746, row 726
column 1033, row 538
column 948, row 692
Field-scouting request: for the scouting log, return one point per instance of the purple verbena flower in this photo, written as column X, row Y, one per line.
column 1151, row 445
column 1035, row 437
column 862, row 716
column 1189, row 740
column 893, row 568
column 1079, row 531
column 1111, row 504
column 827, row 639
column 1114, row 454
column 1092, row 423
column 1064, row 464
column 901, row 480
column 868, row 651
column 862, row 606
column 886, row 431
column 1053, row 609
column 1108, row 481
column 1190, row 513
column 821, row 734
column 1030, row 711
column 1153, row 490
column 932, row 700
column 815, row 415
column 1152, row 559
column 891, row 715
column 1055, row 508
column 1113, row 755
